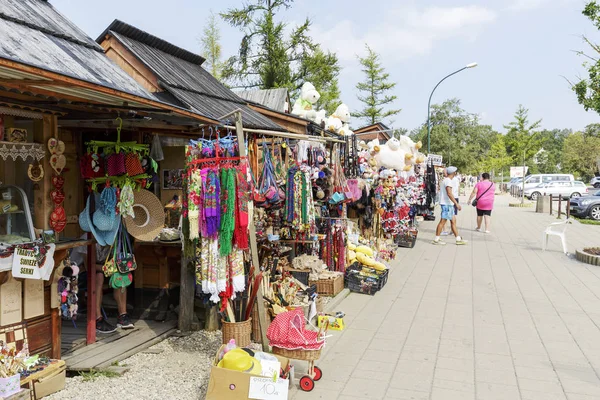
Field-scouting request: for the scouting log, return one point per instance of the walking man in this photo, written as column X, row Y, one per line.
column 447, row 203
column 455, row 192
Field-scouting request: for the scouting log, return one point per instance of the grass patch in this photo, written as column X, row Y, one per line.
column 95, row 374
column 587, row 221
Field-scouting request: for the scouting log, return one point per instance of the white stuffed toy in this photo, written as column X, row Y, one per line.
column 343, row 113
column 390, row 155
column 333, row 123
column 303, row 107
column 320, row 116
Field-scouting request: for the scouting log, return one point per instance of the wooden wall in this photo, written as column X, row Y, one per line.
column 174, row 159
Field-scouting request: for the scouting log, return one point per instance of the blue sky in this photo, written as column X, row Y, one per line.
column 524, row 47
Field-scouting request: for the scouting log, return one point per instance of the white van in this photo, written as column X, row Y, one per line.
column 534, row 180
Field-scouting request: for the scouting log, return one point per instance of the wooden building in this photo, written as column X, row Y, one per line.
column 374, row 131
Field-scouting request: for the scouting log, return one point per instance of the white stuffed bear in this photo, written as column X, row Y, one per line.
column 343, row 113
column 390, row 155
column 334, row 123
column 303, row 107
column 320, row 116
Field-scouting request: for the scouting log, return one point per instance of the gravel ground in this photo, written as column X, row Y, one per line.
column 180, row 371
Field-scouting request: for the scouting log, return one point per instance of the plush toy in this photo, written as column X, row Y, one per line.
column 338, row 121
column 303, row 107
column 320, row 116
column 390, row 155
column 408, row 145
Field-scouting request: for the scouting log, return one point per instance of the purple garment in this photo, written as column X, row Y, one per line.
column 212, row 204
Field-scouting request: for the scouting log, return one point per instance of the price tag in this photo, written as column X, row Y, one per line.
column 270, row 369
column 262, row 388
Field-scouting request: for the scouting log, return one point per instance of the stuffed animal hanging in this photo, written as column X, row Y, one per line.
column 68, row 289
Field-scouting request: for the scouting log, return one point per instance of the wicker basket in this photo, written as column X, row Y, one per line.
column 329, row 287
column 240, row 331
column 307, row 355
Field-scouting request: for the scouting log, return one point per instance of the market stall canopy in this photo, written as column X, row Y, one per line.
column 374, row 131
column 166, row 69
column 44, row 55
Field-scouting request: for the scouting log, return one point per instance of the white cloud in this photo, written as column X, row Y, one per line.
column 528, row 5
column 405, row 32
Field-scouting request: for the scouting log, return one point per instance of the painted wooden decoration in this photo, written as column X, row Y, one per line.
column 33, row 305
column 11, row 302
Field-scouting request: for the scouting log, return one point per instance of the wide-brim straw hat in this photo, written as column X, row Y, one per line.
column 149, row 216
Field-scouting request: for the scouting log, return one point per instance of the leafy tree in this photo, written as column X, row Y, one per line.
column 375, row 89
column 587, row 89
column 497, row 159
column 269, row 59
column 458, row 137
column 211, row 46
column 580, row 153
column 548, row 159
column 522, row 139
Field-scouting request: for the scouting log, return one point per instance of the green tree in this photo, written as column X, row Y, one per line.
column 548, row 159
column 522, row 139
column 373, row 91
column 211, row 46
column 268, row 59
column 587, row 89
column 458, row 137
column 497, row 159
column 580, row 153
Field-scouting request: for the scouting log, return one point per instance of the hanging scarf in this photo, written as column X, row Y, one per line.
column 194, row 193
column 125, row 204
column 241, row 216
column 228, row 196
column 211, row 203
column 211, row 264
column 236, row 271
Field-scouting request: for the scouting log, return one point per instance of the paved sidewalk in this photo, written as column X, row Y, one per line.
column 496, row 319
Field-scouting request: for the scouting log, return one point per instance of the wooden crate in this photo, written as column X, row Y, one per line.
column 329, row 287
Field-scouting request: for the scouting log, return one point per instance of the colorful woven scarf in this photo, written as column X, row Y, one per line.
column 228, row 196
column 236, row 270
column 211, row 202
column 243, row 192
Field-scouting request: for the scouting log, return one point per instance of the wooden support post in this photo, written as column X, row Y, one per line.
column 186, row 296
column 559, row 206
column 262, row 313
column 568, row 208
column 91, row 291
column 551, row 205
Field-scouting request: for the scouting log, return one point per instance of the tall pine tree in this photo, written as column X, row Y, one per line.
column 373, row 92
column 211, row 46
column 268, row 59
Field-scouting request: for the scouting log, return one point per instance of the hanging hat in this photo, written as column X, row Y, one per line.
column 149, row 216
column 238, row 360
column 108, row 233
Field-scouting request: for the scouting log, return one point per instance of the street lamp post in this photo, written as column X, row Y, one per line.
column 472, row 65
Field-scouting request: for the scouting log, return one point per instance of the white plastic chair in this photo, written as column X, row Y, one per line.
column 560, row 231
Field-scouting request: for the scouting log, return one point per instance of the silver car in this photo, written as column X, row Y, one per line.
column 564, row 189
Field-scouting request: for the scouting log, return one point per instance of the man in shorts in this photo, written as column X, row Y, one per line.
column 447, row 203
column 455, row 192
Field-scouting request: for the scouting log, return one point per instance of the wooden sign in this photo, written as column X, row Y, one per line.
column 11, row 305
column 33, row 299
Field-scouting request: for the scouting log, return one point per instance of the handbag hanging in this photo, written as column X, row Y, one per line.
column 125, row 257
column 133, row 164
column 474, row 203
column 115, row 164
column 109, row 267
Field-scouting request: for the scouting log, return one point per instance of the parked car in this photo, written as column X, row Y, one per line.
column 531, row 181
column 565, row 189
column 588, row 206
column 595, row 182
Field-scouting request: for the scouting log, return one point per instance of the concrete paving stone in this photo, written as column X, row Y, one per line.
column 532, row 360
column 585, row 375
column 545, row 386
column 419, row 382
column 492, row 391
column 412, row 367
column 318, row 393
column 581, row 387
column 402, row 394
column 493, row 361
column 389, row 356
column 382, row 344
column 502, row 377
column 540, row 374
column 577, row 396
column 438, row 393
column 455, row 375
column 377, row 366
column 527, row 395
column 459, row 364
column 364, row 388
column 383, row 376
column 527, row 347
column 454, row 385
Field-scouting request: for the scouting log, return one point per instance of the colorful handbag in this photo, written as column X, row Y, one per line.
column 120, row 281
column 133, row 164
column 90, row 166
column 125, row 259
column 115, row 164
column 109, row 268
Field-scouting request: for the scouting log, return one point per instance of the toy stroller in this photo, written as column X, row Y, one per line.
column 289, row 338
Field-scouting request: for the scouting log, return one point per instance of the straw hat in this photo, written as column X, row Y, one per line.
column 238, row 360
column 149, row 216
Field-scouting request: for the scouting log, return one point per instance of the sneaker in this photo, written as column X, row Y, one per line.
column 461, row 242
column 102, row 326
column 445, row 233
column 478, row 229
column 124, row 322
column 438, row 242
column 488, row 232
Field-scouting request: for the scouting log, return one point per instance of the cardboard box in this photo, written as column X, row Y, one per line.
column 335, row 324
column 225, row 384
column 52, row 383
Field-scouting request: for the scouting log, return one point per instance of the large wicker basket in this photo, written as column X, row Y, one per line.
column 240, row 331
column 329, row 287
column 308, row 355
